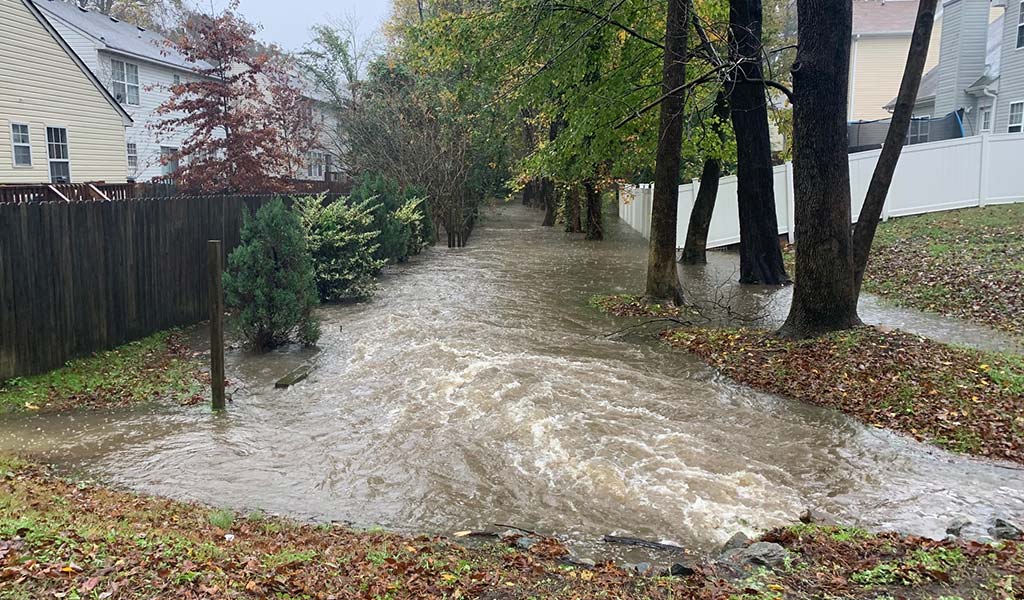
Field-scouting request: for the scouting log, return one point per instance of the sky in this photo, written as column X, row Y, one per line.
column 287, row 22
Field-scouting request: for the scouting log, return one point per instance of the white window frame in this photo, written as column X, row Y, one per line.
column 985, row 114
column 175, row 79
column 1020, row 26
column 125, row 82
column 1009, row 115
column 15, row 145
column 316, row 164
column 132, row 152
column 164, row 150
column 67, row 148
column 919, row 120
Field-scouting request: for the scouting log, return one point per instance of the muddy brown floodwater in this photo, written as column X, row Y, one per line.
column 480, row 388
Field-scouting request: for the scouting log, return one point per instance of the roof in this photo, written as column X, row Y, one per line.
column 32, row 8
column 118, row 36
column 882, row 17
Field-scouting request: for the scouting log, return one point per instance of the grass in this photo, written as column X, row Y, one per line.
column 68, row 539
column 626, row 305
column 965, row 263
column 158, row 366
column 962, row 399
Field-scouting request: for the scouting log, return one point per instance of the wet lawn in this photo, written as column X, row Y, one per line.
column 72, row 539
column 159, row 366
column 965, row 263
column 962, row 399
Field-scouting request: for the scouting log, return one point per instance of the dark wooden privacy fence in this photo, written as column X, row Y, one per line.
column 77, row 277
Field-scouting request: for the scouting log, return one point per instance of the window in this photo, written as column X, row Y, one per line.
column 177, row 79
column 22, row 145
column 985, row 116
column 920, row 127
column 1016, row 123
column 1020, row 25
column 315, row 165
column 133, row 157
column 169, row 160
column 57, row 152
column 126, row 81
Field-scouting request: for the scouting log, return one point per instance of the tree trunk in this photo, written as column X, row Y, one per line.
column 595, row 229
column 824, row 297
column 695, row 247
column 662, row 282
column 881, row 179
column 760, row 253
column 572, row 210
column 547, row 192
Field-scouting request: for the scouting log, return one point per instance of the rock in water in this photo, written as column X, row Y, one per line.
column 956, row 527
column 1005, row 530
column 738, row 540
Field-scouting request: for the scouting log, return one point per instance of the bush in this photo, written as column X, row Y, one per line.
column 411, row 217
column 270, row 279
column 342, row 243
column 401, row 225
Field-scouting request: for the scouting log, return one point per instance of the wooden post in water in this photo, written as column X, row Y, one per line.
column 215, row 265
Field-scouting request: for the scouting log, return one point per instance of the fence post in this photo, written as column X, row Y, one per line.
column 983, row 170
column 790, row 203
column 215, row 265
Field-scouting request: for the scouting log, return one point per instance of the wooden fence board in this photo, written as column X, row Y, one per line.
column 78, row 277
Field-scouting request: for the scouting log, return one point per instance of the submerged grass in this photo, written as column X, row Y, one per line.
column 157, row 366
column 965, row 263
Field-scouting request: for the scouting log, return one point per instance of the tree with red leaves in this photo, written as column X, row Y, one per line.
column 245, row 132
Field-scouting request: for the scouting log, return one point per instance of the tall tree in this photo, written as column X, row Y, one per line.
column 824, row 296
column 881, row 179
column 662, row 281
column 695, row 246
column 237, row 139
column 760, row 253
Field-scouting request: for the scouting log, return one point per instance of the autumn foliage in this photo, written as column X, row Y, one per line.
column 248, row 122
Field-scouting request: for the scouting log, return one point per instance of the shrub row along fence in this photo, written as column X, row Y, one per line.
column 77, row 277
column 960, row 173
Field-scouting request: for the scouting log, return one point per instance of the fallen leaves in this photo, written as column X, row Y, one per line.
column 962, row 399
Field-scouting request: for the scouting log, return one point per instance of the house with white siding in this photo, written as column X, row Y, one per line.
column 138, row 67
column 878, row 54
column 59, row 122
column 980, row 72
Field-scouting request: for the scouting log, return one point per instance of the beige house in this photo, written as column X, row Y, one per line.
column 59, row 123
column 881, row 40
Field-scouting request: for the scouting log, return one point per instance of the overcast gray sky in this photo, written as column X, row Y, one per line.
column 287, row 22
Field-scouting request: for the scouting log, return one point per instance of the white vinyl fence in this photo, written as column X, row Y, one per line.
column 974, row 171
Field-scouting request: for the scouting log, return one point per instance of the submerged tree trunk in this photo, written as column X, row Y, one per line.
column 824, row 297
column 595, row 229
column 662, row 282
column 760, row 253
column 573, row 223
column 695, row 247
column 547, row 192
column 881, row 179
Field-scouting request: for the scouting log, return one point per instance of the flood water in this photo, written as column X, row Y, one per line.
column 479, row 388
